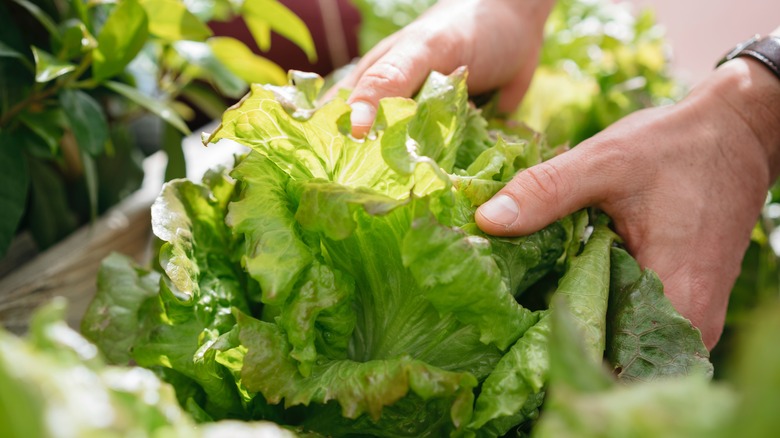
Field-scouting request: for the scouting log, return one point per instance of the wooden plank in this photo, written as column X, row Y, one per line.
column 69, row 269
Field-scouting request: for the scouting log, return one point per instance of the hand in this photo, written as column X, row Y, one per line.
column 684, row 185
column 498, row 40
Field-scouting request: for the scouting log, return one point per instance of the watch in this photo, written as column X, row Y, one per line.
column 765, row 50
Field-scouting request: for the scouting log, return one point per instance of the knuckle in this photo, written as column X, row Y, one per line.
column 544, row 183
column 385, row 78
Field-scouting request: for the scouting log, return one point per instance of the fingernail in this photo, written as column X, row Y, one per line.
column 362, row 114
column 501, row 210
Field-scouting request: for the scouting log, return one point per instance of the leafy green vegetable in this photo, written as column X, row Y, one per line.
column 586, row 402
column 56, row 384
column 648, row 338
column 341, row 285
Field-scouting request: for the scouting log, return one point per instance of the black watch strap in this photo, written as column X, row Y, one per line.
column 765, row 50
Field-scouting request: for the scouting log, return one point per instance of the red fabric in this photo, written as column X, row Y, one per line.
column 286, row 53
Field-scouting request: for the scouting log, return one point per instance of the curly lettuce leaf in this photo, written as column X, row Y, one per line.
column 401, row 154
column 125, row 293
column 647, row 338
column 517, row 383
column 585, row 288
column 56, row 384
column 586, row 402
column 273, row 252
column 359, row 387
column 458, row 275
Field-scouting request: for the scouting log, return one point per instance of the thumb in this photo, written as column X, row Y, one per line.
column 542, row 194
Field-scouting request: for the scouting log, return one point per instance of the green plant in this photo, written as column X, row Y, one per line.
column 76, row 74
column 341, row 285
column 56, row 384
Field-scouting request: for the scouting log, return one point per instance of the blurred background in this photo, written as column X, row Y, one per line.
column 699, row 32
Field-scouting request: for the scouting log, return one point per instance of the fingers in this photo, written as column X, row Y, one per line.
column 398, row 72
column 349, row 81
column 537, row 197
column 512, row 93
column 397, row 66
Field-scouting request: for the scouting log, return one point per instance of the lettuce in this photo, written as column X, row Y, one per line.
column 56, row 384
column 340, row 286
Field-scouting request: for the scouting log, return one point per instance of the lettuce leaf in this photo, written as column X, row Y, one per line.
column 55, row 383
column 648, row 338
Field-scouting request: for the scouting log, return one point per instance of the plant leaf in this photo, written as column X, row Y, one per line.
column 519, row 376
column 76, row 39
column 210, row 69
column 47, row 126
column 585, row 289
column 47, row 67
column 457, row 274
column 262, row 16
column 41, row 16
column 358, row 387
column 86, row 120
column 119, row 41
column 155, row 106
column 13, row 192
column 240, row 60
column 113, row 319
column 171, row 21
column 275, row 254
column 172, row 145
column 647, row 338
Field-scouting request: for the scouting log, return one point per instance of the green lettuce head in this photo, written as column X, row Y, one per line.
column 341, row 285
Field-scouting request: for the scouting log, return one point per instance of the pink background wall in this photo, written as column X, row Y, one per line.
column 701, row 31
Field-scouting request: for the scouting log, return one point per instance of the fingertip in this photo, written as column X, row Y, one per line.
column 362, row 117
column 498, row 216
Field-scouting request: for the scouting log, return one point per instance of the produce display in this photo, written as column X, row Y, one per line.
column 340, row 286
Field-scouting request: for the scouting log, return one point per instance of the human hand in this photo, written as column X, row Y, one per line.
column 498, row 40
column 684, row 185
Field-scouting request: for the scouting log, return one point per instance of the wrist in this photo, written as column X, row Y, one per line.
column 752, row 94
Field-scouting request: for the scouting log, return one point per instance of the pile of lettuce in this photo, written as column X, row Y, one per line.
column 340, row 286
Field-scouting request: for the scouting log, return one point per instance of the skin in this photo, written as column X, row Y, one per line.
column 451, row 34
column 684, row 184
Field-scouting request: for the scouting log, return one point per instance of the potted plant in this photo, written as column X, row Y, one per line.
column 88, row 86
